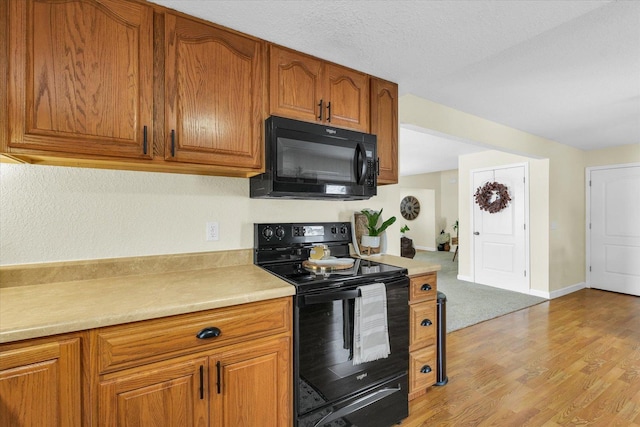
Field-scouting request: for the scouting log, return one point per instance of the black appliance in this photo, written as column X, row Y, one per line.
column 312, row 161
column 329, row 390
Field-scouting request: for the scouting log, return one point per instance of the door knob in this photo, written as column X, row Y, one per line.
column 477, row 233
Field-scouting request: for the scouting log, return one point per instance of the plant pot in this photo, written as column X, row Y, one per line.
column 370, row 241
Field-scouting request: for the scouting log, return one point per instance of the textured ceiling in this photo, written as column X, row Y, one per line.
column 568, row 71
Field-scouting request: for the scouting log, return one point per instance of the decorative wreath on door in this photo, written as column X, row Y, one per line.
column 492, row 197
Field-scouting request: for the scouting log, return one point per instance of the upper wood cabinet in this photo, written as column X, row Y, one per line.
column 81, row 77
column 214, row 95
column 384, row 124
column 306, row 88
column 40, row 383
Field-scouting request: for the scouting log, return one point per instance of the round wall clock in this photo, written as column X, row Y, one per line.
column 409, row 207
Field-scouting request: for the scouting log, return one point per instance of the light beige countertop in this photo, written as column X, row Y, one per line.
column 413, row 267
column 40, row 310
column 49, row 299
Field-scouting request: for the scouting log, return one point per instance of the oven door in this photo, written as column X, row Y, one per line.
column 323, row 365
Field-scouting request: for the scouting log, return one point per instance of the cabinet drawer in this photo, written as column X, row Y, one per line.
column 422, row 369
column 423, row 325
column 142, row 342
column 423, row 287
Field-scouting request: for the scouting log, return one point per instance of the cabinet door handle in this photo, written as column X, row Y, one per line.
column 426, row 322
column 477, row 233
column 201, row 382
column 329, row 111
column 425, row 369
column 320, row 110
column 173, row 142
column 218, row 379
column 426, row 287
column 144, row 140
column 207, row 333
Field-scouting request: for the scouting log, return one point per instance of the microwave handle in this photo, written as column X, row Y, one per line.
column 360, row 163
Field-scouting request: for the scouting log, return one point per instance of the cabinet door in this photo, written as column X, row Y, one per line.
column 384, row 124
column 214, row 95
column 251, row 386
column 169, row 395
column 347, row 93
column 295, row 85
column 80, row 77
column 40, row 384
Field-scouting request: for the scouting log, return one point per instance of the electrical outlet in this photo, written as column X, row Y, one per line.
column 213, row 230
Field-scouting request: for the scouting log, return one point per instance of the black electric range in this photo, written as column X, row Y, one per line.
column 329, row 389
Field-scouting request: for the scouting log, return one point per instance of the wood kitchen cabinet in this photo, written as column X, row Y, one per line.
column 40, row 382
column 80, row 78
column 384, row 124
column 422, row 332
column 306, row 88
column 158, row 372
column 214, row 95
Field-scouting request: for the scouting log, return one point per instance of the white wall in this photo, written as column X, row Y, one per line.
column 50, row 213
column 422, row 228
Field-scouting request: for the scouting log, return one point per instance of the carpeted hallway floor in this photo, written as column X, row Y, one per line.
column 470, row 303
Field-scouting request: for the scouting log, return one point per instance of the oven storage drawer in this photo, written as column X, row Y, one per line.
column 381, row 406
column 423, row 325
column 137, row 343
column 422, row 366
column 423, row 287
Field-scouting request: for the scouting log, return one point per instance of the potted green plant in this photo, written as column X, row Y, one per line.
column 372, row 240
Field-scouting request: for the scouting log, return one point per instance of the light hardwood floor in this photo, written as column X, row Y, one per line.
column 571, row 361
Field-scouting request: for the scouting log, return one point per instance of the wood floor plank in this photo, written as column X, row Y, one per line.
column 571, row 361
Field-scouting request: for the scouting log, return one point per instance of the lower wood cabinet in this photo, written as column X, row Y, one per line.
column 227, row 378
column 41, row 383
column 226, row 367
column 422, row 331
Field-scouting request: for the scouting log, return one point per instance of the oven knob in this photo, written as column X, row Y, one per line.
column 279, row 232
column 267, row 232
column 343, row 229
column 334, row 230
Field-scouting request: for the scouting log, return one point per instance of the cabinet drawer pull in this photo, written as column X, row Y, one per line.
column 207, row 333
column 426, row 287
column 425, row 369
column 426, row 322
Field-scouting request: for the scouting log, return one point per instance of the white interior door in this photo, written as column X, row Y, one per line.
column 500, row 239
column 615, row 229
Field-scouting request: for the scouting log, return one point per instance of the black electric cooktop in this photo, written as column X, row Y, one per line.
column 283, row 249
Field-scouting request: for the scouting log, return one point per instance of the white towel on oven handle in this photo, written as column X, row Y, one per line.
column 370, row 329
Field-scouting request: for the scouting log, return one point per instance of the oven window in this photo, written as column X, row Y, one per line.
column 313, row 162
column 325, row 349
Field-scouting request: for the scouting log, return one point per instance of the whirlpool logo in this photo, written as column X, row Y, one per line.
column 331, row 131
column 362, row 376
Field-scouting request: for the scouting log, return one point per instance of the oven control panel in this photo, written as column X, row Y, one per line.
column 285, row 234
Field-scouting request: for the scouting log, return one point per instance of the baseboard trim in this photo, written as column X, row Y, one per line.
column 542, row 294
column 425, row 248
column 559, row 292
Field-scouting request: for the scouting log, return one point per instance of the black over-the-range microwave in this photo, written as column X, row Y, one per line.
column 313, row 161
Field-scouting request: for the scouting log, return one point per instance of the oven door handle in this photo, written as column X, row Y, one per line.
column 331, row 296
column 357, row 405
